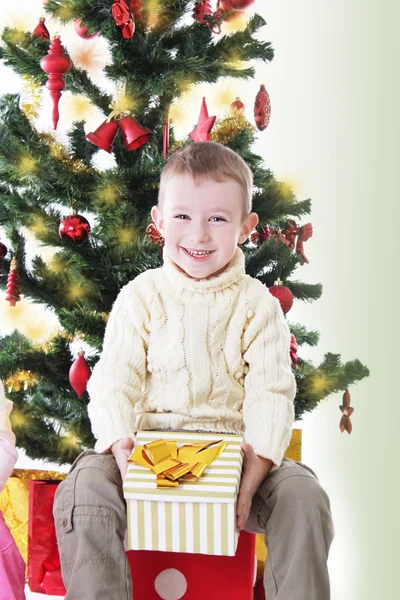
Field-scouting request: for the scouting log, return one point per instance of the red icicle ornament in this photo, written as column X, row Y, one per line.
column 79, row 374
column 283, row 294
column 12, row 289
column 262, row 108
column 41, row 30
column 293, row 350
column 55, row 64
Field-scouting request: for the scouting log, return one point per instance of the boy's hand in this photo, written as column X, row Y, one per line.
column 122, row 449
column 255, row 468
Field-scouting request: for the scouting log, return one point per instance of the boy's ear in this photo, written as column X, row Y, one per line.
column 158, row 219
column 247, row 227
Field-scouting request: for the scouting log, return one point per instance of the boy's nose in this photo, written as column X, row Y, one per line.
column 200, row 234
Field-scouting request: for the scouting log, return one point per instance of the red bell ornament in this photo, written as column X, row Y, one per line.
column 75, row 228
column 55, row 64
column 283, row 294
column 134, row 134
column 262, row 108
column 79, row 374
column 12, row 289
column 83, row 31
column 41, row 30
column 104, row 135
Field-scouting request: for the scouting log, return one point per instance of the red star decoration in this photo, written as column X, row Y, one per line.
column 201, row 133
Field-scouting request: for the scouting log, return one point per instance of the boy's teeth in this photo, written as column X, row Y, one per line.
column 198, row 253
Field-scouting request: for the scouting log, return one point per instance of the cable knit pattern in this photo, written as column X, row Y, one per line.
column 208, row 355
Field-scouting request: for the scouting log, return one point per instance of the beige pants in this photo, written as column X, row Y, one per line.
column 290, row 508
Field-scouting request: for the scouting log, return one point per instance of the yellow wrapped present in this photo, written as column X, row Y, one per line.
column 199, row 514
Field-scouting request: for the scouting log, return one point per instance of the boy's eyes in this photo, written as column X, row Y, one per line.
column 186, row 217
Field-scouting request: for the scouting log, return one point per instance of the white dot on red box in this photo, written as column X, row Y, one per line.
column 170, row 584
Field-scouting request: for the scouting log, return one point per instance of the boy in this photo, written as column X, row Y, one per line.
column 196, row 345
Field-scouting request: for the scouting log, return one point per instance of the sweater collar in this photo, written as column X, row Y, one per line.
column 234, row 271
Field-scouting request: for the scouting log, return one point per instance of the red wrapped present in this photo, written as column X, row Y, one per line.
column 44, row 573
column 158, row 575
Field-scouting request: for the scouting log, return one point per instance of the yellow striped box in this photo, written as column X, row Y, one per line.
column 196, row 517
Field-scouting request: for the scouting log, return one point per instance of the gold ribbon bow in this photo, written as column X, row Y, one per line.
column 171, row 463
column 121, row 105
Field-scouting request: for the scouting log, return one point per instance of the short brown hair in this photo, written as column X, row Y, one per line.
column 212, row 160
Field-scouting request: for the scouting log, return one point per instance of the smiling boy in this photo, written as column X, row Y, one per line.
column 197, row 345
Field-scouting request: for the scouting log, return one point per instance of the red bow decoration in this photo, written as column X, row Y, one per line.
column 293, row 350
column 203, row 8
column 155, row 236
column 123, row 18
column 347, row 410
column 304, row 233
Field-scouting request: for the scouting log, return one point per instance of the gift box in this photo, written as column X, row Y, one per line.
column 44, row 572
column 14, row 500
column 173, row 575
column 196, row 516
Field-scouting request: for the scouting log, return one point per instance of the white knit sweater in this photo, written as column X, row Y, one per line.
column 209, row 355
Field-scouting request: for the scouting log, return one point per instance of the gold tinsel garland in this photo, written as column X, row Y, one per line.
column 20, row 380
column 226, row 130
column 34, row 90
column 59, row 152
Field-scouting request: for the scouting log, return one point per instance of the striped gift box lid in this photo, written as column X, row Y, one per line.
column 219, row 483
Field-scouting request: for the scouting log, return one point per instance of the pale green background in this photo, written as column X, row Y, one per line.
column 334, row 129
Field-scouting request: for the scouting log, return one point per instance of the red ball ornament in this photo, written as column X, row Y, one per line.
column 3, row 250
column 283, row 294
column 237, row 4
column 12, row 289
column 79, row 374
column 75, row 228
column 83, row 31
column 262, row 108
column 237, row 105
column 55, row 64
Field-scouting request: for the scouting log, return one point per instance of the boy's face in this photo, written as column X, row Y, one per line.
column 207, row 217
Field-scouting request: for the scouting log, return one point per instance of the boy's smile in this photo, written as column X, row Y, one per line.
column 202, row 223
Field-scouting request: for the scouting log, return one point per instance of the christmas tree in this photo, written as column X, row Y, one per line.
column 159, row 50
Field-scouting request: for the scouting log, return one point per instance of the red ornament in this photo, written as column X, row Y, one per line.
column 123, row 18
column 293, row 350
column 12, row 289
column 304, row 233
column 238, row 4
column 153, row 233
column 41, row 30
column 347, row 411
column 83, row 31
column 79, row 374
column 262, row 108
column 283, row 294
column 55, row 64
column 134, row 134
column 104, row 135
column 75, row 228
column 136, row 7
column 237, row 105
column 3, row 250
column 260, row 235
column 201, row 133
column 203, row 8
